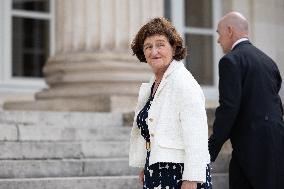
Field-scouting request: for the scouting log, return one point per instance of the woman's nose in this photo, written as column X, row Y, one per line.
column 154, row 50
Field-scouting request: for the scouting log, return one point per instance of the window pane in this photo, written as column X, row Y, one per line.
column 30, row 48
column 198, row 13
column 200, row 58
column 167, row 9
column 32, row 5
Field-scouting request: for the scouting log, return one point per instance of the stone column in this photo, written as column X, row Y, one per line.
column 269, row 28
column 92, row 68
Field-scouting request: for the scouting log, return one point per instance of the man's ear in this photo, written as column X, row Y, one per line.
column 230, row 31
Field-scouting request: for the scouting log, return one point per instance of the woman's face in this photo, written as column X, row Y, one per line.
column 158, row 52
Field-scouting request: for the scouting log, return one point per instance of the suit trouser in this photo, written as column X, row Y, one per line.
column 237, row 178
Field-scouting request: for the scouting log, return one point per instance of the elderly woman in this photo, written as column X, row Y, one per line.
column 169, row 138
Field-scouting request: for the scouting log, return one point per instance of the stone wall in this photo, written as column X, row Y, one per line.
column 266, row 20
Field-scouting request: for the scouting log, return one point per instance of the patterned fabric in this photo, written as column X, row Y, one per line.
column 169, row 176
column 142, row 117
column 163, row 175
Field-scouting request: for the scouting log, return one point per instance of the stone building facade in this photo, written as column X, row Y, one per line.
column 72, row 55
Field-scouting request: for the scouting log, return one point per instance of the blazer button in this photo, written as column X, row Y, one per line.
column 266, row 118
column 151, row 119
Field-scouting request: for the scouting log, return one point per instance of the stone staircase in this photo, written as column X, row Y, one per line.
column 60, row 150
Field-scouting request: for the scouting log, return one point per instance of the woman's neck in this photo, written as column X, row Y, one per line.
column 159, row 76
column 159, row 73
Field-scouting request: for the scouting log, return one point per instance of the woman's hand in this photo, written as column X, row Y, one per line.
column 141, row 177
column 188, row 184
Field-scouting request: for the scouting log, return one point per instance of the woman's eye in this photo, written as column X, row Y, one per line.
column 146, row 48
column 161, row 45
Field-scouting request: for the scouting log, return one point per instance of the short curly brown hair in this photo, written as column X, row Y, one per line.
column 158, row 26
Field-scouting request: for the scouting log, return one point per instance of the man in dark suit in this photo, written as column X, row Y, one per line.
column 250, row 111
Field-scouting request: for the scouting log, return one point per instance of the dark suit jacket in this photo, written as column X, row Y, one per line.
column 250, row 114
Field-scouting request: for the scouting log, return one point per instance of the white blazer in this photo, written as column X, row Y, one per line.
column 177, row 124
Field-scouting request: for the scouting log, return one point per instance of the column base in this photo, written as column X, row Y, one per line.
column 87, row 104
column 97, row 81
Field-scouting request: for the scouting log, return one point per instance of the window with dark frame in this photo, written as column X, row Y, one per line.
column 198, row 15
column 199, row 38
column 30, row 38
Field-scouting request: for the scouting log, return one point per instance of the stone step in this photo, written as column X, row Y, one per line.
column 221, row 165
column 65, row 168
column 72, row 167
column 21, row 132
column 61, row 119
column 78, row 150
column 111, row 182
column 96, row 103
column 220, row 181
column 60, row 150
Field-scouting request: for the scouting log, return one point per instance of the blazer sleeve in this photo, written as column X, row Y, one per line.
column 230, row 91
column 194, row 131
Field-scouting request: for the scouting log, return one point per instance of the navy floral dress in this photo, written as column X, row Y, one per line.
column 163, row 174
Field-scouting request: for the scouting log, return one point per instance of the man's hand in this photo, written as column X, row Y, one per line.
column 141, row 177
column 188, row 184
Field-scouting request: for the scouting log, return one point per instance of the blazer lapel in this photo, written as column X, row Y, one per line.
column 144, row 93
column 145, row 88
column 173, row 66
column 161, row 86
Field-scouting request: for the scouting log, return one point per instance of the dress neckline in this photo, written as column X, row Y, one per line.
column 152, row 88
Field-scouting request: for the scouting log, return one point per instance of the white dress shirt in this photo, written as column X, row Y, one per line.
column 238, row 41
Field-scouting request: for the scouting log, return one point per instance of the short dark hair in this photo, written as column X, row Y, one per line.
column 158, row 26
